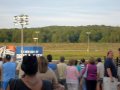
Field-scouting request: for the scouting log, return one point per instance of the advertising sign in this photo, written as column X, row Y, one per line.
column 27, row 50
column 16, row 51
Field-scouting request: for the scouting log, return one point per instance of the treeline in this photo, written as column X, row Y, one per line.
column 71, row 34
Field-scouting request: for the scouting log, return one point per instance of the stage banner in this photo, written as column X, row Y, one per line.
column 28, row 50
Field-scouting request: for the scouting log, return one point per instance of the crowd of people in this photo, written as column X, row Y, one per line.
column 41, row 73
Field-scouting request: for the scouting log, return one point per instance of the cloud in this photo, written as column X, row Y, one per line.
column 78, row 19
column 61, row 12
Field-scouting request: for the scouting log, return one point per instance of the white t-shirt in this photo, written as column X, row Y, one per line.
column 21, row 73
column 100, row 69
column 1, row 62
column 61, row 70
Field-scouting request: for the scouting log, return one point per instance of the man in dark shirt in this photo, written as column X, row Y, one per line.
column 110, row 68
column 110, row 81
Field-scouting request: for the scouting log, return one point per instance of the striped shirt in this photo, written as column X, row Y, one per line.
column 82, row 66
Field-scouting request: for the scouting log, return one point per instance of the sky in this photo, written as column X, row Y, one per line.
column 61, row 12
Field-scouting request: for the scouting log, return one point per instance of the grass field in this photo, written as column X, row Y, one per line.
column 79, row 50
column 76, row 50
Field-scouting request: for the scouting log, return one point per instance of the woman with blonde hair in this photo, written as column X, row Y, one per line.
column 48, row 74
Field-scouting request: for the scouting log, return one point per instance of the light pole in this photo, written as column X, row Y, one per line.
column 35, row 40
column 22, row 20
column 88, row 47
column 37, row 32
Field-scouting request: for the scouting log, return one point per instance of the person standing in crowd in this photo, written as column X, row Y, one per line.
column 52, row 65
column 91, row 79
column 1, row 62
column 118, row 64
column 72, row 76
column 82, row 79
column 77, row 66
column 82, row 65
column 100, row 74
column 110, row 79
column 8, row 71
column 30, row 81
column 61, row 71
column 20, row 73
column 46, row 73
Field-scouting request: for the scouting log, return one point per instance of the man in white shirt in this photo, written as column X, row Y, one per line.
column 100, row 73
column 61, row 71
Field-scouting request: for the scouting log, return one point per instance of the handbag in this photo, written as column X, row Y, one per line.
column 85, row 74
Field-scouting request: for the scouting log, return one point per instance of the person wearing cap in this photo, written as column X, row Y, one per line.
column 8, row 71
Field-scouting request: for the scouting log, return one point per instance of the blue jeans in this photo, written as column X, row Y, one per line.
column 84, row 85
column 0, row 84
column 4, row 85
